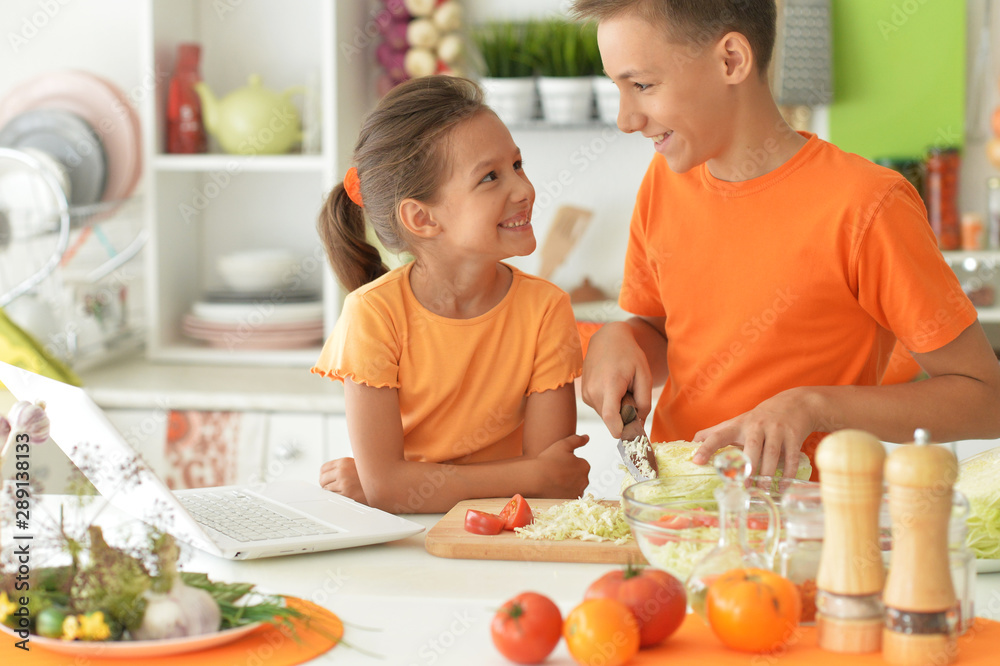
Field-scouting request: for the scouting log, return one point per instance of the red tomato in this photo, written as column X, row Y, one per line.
column 674, row 522
column 753, row 610
column 517, row 513
column 601, row 631
column 527, row 628
column 656, row 598
column 481, row 522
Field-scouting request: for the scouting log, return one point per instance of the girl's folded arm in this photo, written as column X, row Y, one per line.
column 392, row 483
column 548, row 417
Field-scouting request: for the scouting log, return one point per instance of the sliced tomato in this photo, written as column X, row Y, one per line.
column 517, row 513
column 705, row 519
column 757, row 523
column 675, row 522
column 482, row 522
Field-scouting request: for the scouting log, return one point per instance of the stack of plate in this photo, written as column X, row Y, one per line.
column 240, row 320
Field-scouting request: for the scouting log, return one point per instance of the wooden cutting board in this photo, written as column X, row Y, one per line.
column 448, row 538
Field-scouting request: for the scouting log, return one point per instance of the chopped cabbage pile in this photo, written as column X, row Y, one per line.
column 977, row 479
column 586, row 519
column 679, row 556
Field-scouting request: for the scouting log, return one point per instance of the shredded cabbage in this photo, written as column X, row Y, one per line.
column 586, row 519
column 977, row 479
column 679, row 556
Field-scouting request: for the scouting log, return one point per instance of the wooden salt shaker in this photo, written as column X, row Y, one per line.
column 920, row 614
column 849, row 616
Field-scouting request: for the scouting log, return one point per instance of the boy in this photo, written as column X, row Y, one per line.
column 771, row 273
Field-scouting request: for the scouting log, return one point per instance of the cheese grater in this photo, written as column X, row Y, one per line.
column 803, row 53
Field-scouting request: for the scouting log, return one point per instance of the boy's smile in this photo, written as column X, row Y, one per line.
column 672, row 93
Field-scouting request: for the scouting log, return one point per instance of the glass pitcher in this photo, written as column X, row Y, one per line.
column 733, row 550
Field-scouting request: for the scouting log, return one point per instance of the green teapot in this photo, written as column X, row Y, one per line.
column 252, row 120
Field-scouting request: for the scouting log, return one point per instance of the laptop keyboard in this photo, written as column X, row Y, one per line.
column 248, row 518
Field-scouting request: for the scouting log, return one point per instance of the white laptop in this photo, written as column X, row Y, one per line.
column 234, row 522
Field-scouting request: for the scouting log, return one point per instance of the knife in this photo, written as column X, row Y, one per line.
column 638, row 456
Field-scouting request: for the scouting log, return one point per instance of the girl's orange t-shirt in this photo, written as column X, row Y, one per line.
column 805, row 276
column 463, row 383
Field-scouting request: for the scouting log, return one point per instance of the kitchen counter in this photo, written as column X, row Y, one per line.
column 137, row 383
column 429, row 610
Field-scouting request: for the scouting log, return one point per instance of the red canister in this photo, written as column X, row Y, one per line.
column 941, row 183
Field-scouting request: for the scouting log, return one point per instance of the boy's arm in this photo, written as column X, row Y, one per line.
column 392, row 483
column 622, row 356
column 960, row 400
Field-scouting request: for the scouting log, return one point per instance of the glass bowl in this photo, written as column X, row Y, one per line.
column 675, row 520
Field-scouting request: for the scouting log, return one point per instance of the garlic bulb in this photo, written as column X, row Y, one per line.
column 4, row 430
column 420, row 8
column 448, row 16
column 422, row 34
column 183, row 611
column 450, row 48
column 420, row 62
column 30, row 419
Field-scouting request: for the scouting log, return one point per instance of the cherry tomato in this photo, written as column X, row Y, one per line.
column 517, row 513
column 657, row 600
column 601, row 631
column 481, row 522
column 753, row 610
column 527, row 628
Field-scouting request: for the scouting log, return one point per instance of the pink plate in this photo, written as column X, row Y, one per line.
column 99, row 102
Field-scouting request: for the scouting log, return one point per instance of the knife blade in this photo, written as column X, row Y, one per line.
column 634, row 447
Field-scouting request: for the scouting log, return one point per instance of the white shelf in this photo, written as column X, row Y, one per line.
column 200, row 355
column 203, row 206
column 240, row 163
column 956, row 256
column 989, row 315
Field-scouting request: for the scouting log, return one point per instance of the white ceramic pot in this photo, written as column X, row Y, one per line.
column 515, row 100
column 566, row 100
column 606, row 94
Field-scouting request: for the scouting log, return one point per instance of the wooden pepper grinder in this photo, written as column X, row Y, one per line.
column 849, row 614
column 920, row 614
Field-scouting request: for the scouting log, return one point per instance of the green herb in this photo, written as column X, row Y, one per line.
column 271, row 609
column 502, row 49
column 561, row 48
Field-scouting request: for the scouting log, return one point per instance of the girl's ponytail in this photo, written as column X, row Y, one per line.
column 341, row 227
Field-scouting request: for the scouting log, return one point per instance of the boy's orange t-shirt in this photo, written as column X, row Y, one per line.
column 463, row 383
column 805, row 276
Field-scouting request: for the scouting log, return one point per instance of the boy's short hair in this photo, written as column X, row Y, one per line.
column 697, row 21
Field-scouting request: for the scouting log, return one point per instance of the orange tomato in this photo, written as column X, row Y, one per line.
column 753, row 610
column 601, row 631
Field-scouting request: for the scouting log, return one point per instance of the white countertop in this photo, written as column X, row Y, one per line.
column 429, row 610
column 137, row 383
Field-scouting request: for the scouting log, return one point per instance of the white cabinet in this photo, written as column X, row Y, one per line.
column 202, row 206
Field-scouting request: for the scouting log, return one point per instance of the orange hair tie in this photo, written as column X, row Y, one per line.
column 352, row 184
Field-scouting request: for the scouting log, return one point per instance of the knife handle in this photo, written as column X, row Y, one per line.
column 628, row 410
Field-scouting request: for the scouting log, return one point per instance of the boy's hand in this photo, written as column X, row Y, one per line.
column 614, row 363
column 341, row 476
column 560, row 472
column 774, row 429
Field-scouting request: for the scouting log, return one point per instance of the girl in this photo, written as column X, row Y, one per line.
column 457, row 368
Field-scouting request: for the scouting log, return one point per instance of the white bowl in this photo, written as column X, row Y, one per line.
column 257, row 270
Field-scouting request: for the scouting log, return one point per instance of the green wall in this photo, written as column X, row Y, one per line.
column 899, row 76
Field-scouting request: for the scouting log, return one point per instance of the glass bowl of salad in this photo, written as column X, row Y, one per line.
column 676, row 520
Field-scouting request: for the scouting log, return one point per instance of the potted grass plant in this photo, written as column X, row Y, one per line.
column 508, row 76
column 565, row 65
column 605, row 91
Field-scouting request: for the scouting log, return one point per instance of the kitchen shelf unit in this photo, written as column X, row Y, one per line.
column 202, row 206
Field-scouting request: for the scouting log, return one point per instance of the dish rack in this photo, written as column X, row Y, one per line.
column 73, row 278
